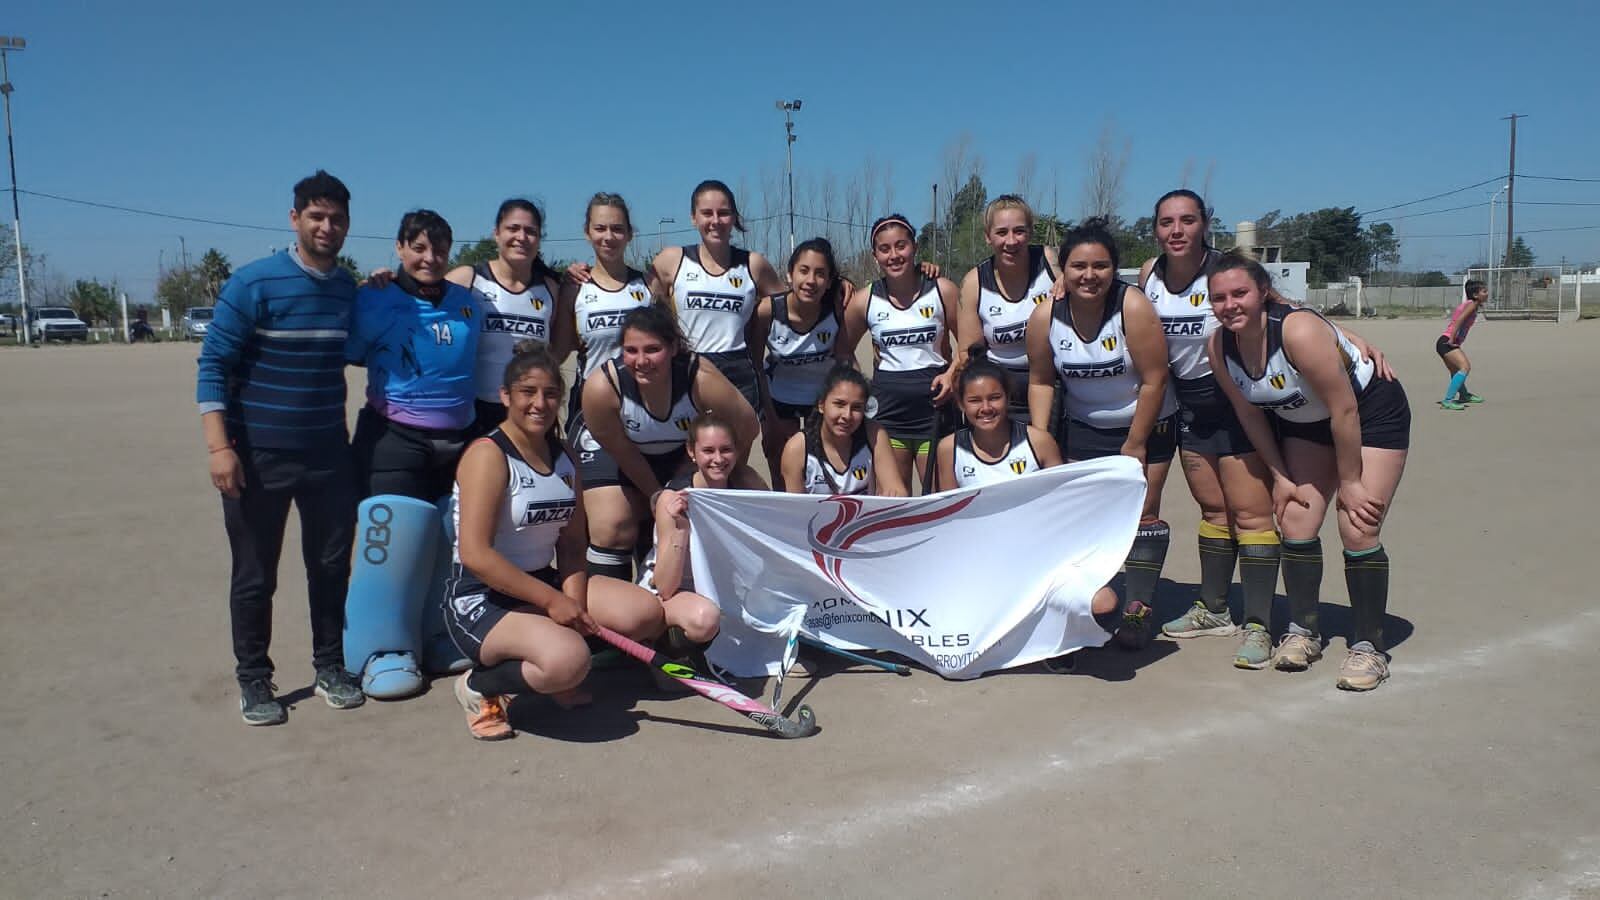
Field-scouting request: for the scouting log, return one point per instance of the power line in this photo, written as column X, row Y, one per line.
column 1560, row 178
column 1520, row 232
column 1434, row 197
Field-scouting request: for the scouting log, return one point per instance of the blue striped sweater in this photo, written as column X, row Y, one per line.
column 273, row 357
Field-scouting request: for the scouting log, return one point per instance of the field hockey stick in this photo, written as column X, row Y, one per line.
column 929, row 472
column 804, row 724
column 897, row 668
column 791, row 650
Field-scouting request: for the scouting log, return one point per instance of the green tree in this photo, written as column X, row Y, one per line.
column 483, row 250
column 215, row 270
column 181, row 289
column 1432, row 278
column 1330, row 239
column 1520, row 254
column 94, row 302
column 33, row 265
column 1383, row 247
column 349, row 264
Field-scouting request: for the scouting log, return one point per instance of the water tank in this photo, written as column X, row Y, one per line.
column 1245, row 236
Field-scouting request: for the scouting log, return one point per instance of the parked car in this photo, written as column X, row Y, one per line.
column 195, row 322
column 56, row 323
column 9, row 323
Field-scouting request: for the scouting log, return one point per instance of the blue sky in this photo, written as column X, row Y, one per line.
column 213, row 110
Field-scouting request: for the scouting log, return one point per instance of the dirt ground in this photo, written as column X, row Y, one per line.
column 1474, row 773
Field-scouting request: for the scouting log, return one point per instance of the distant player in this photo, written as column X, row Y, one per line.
column 1456, row 396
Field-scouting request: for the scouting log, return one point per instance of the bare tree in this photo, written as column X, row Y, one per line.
column 1102, row 187
column 1027, row 169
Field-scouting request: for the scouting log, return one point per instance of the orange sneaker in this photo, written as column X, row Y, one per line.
column 486, row 715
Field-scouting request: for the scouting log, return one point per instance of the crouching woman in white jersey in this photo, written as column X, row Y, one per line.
column 839, row 451
column 992, row 446
column 1104, row 341
column 692, row 620
column 1329, row 428
column 520, row 600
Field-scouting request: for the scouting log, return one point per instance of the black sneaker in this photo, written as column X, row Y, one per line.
column 339, row 688
column 257, row 706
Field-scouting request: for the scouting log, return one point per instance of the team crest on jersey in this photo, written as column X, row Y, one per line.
column 1040, row 298
column 736, row 281
column 1109, row 343
column 538, row 304
column 1197, row 299
column 683, row 424
column 1018, row 466
column 858, row 473
column 824, row 336
column 637, row 295
column 925, row 311
column 566, row 479
column 466, row 312
column 1277, row 381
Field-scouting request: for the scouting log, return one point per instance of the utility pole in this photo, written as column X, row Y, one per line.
column 789, row 107
column 933, row 239
column 1511, row 183
column 8, row 45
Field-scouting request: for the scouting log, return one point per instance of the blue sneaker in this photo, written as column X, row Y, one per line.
column 1255, row 651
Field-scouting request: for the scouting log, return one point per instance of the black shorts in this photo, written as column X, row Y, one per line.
column 490, row 416
column 737, row 367
column 1017, row 395
column 1443, row 346
column 469, row 616
column 1084, row 441
column 793, row 411
column 1385, row 419
column 1207, row 423
column 905, row 402
column 400, row 459
column 597, row 468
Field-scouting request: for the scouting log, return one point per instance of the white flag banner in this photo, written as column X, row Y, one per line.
column 963, row 582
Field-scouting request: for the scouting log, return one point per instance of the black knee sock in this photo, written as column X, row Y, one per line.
column 1110, row 621
column 610, row 561
column 1258, row 574
column 1302, row 581
column 1366, row 577
column 1217, row 553
column 500, row 678
column 1145, row 559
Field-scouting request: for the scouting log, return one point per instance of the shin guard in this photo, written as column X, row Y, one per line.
column 1302, row 581
column 397, row 541
column 1145, row 559
column 1258, row 574
column 440, row 655
column 1218, row 550
column 1366, row 577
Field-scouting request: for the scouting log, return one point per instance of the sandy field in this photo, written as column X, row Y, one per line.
column 1474, row 773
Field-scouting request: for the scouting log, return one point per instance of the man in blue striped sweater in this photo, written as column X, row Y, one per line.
column 271, row 391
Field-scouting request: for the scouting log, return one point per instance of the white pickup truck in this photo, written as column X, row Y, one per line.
column 56, row 323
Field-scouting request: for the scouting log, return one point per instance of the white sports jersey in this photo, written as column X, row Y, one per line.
column 908, row 340
column 666, row 434
column 1018, row 460
column 1186, row 317
column 1101, row 383
column 823, row 478
column 714, row 309
column 1280, row 389
column 798, row 361
column 1005, row 321
column 508, row 318
column 538, row 506
column 599, row 315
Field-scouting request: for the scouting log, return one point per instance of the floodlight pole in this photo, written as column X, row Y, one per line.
column 789, row 107
column 8, row 44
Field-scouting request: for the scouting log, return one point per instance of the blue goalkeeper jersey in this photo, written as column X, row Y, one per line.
column 421, row 356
